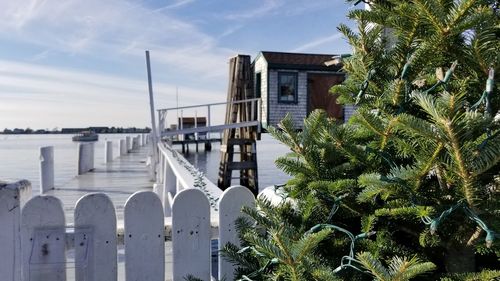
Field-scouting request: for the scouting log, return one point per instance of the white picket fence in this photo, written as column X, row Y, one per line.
column 37, row 245
column 34, row 240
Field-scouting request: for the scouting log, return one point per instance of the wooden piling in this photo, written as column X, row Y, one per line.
column 108, row 151
column 46, row 168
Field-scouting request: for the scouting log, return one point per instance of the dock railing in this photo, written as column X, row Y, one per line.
column 177, row 174
column 163, row 126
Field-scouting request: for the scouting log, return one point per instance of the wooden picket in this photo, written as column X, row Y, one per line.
column 191, row 235
column 95, row 225
column 230, row 204
column 11, row 200
column 144, row 238
column 43, row 240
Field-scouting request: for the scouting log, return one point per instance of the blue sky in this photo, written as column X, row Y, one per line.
column 72, row 63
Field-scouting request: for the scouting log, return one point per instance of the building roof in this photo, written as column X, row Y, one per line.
column 298, row 61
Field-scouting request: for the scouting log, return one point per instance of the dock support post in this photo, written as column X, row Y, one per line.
column 139, row 138
column 85, row 158
column 129, row 144
column 123, row 147
column 46, row 168
column 108, row 151
column 135, row 143
column 208, row 146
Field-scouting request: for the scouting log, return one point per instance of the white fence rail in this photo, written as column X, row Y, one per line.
column 176, row 174
column 36, row 242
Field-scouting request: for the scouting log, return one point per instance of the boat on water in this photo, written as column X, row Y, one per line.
column 86, row 136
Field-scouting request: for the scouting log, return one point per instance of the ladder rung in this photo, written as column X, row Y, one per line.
column 242, row 165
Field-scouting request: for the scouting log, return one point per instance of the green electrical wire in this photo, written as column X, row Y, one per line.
column 364, row 86
column 336, row 206
column 404, row 77
column 349, row 260
column 485, row 97
column 446, row 78
column 434, row 223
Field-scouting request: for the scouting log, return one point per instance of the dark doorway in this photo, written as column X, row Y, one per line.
column 318, row 86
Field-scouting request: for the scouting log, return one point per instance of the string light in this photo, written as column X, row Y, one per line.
column 346, row 261
column 364, row 86
column 434, row 223
column 485, row 97
column 446, row 78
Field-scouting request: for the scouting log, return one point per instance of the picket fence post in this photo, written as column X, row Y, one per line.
column 95, row 238
column 230, row 204
column 144, row 238
column 12, row 198
column 43, row 240
column 191, row 235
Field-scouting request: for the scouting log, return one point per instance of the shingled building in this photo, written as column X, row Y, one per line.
column 296, row 83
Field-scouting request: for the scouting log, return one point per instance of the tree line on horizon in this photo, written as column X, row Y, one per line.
column 56, row 130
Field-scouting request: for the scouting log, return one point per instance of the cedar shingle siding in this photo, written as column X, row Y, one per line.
column 270, row 64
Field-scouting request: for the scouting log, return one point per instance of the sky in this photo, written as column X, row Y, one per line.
column 79, row 63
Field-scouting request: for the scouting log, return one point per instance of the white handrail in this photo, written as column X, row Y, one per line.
column 208, row 104
column 185, row 176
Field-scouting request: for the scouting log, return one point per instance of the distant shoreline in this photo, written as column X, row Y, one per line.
column 99, row 130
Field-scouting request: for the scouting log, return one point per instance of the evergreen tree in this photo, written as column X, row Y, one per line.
column 418, row 163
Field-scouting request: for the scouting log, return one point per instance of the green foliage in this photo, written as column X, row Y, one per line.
column 419, row 163
column 399, row 269
column 276, row 247
column 484, row 275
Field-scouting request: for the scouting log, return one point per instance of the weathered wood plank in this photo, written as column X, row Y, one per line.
column 43, row 240
column 118, row 179
column 144, row 238
column 230, row 204
column 191, row 235
column 95, row 225
column 12, row 196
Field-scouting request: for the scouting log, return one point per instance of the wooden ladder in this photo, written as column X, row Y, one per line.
column 240, row 88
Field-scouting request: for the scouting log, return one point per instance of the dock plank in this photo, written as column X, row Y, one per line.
column 118, row 179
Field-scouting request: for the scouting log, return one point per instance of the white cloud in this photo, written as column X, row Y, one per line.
column 318, row 42
column 39, row 96
column 264, row 9
column 113, row 28
column 176, row 4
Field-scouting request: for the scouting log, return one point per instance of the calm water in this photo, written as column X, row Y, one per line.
column 20, row 154
column 268, row 149
column 19, row 158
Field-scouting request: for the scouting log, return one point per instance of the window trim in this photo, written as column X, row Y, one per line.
column 296, row 92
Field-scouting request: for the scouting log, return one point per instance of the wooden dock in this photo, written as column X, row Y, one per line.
column 118, row 179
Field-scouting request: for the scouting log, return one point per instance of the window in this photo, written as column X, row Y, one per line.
column 287, row 87
column 258, row 82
